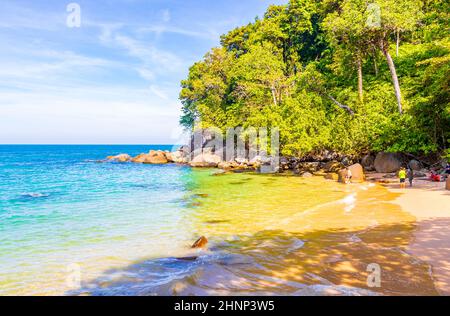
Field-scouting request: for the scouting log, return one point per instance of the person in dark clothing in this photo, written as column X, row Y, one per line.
column 410, row 176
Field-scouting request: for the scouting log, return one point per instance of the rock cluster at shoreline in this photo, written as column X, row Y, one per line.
column 381, row 167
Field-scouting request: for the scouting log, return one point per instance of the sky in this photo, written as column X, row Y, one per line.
column 115, row 79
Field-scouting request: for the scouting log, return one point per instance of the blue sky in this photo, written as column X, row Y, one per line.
column 114, row 80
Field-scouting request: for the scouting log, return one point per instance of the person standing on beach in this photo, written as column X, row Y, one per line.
column 402, row 176
column 410, row 176
column 348, row 176
column 447, row 170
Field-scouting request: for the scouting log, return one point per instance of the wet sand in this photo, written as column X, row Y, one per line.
column 429, row 202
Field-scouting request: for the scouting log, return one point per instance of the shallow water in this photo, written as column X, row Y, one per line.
column 122, row 226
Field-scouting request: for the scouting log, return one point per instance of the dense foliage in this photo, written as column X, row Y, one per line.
column 352, row 76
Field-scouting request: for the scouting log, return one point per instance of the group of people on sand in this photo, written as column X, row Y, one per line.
column 404, row 174
column 407, row 173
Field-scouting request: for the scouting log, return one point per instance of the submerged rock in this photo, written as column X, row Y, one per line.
column 119, row 158
column 200, row 243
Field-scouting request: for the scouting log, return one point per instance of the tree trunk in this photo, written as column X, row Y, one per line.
column 342, row 106
column 398, row 42
column 360, row 81
column 390, row 62
column 274, row 96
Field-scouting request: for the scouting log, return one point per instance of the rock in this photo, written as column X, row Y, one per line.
column 447, row 184
column 387, row 162
column 256, row 160
column 310, row 167
column 225, row 165
column 153, row 157
column 205, row 161
column 200, row 243
column 284, row 163
column 241, row 161
column 415, row 165
column 420, row 174
column 119, row 158
column 307, row 175
column 333, row 166
column 179, row 156
column 332, row 176
column 346, row 161
column 357, row 173
column 368, row 162
column 168, row 156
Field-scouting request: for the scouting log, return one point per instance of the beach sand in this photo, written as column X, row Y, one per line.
column 429, row 202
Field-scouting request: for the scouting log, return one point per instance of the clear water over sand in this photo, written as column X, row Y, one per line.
column 125, row 225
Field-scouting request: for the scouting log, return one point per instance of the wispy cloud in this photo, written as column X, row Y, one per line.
column 114, row 79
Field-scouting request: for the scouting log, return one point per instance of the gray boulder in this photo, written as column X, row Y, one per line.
column 415, row 165
column 387, row 162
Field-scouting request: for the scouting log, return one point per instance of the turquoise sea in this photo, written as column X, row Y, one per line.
column 58, row 208
column 70, row 225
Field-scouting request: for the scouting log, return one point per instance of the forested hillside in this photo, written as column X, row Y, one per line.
column 352, row 76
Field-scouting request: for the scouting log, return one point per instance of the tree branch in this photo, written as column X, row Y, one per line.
column 342, row 106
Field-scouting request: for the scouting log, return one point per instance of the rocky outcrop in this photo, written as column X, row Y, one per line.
column 119, row 158
column 357, row 173
column 153, row 157
column 387, row 162
column 180, row 156
column 205, row 161
column 333, row 166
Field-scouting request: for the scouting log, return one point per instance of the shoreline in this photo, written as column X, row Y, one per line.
column 429, row 203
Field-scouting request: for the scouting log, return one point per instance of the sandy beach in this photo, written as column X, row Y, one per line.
column 429, row 202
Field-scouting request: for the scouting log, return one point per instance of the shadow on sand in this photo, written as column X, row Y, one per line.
column 278, row 263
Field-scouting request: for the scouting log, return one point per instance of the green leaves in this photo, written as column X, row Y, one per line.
column 297, row 69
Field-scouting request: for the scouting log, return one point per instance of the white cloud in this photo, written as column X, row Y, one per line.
column 149, row 54
column 158, row 92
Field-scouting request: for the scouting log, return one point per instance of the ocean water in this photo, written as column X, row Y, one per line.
column 72, row 226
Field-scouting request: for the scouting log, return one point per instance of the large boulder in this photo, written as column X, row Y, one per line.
column 357, row 173
column 415, row 165
column 387, row 162
column 179, row 156
column 153, row 157
column 205, row 161
column 119, row 158
column 368, row 162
